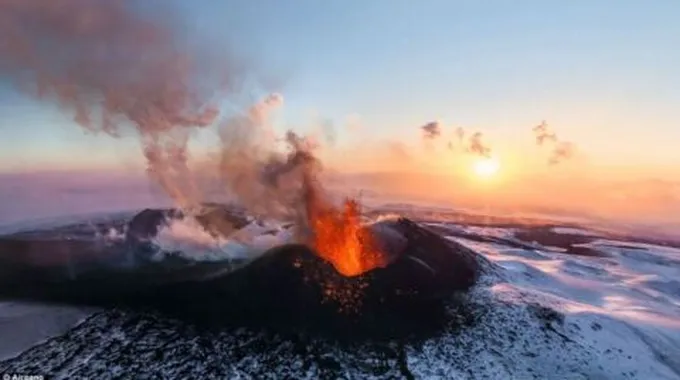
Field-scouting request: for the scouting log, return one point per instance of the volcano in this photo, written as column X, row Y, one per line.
column 289, row 286
column 287, row 312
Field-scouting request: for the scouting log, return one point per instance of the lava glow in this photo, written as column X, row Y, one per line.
column 340, row 238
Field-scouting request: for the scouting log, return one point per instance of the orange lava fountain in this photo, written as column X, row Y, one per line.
column 335, row 233
column 340, row 238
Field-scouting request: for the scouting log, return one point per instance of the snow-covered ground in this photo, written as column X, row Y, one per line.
column 625, row 305
column 539, row 312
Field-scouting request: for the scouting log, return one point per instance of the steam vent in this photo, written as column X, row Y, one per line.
column 288, row 287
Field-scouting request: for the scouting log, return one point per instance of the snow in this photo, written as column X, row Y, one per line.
column 573, row 231
column 540, row 313
column 625, row 307
column 510, row 342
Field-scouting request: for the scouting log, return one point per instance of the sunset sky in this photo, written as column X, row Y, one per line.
column 602, row 73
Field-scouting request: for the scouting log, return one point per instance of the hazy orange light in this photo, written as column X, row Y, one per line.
column 486, row 167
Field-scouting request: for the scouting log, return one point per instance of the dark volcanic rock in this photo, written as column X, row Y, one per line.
column 147, row 223
column 221, row 220
column 388, row 239
column 289, row 287
column 549, row 238
column 39, row 263
column 454, row 265
column 217, row 219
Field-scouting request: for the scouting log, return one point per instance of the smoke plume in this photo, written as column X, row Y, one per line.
column 251, row 170
column 113, row 67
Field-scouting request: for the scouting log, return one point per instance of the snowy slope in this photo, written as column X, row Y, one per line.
column 585, row 306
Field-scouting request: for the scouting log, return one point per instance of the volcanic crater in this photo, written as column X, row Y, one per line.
column 289, row 287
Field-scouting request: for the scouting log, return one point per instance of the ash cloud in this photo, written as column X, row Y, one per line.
column 115, row 68
column 251, row 171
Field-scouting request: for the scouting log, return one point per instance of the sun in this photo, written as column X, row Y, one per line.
column 486, row 167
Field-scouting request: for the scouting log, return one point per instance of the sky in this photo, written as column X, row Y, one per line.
column 602, row 73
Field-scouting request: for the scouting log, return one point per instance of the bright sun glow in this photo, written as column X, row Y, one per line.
column 486, row 167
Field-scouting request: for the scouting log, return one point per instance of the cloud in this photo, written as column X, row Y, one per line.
column 431, row 130
column 476, row 145
column 560, row 150
column 543, row 134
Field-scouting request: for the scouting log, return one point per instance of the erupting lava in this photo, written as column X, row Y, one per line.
column 336, row 233
column 340, row 238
